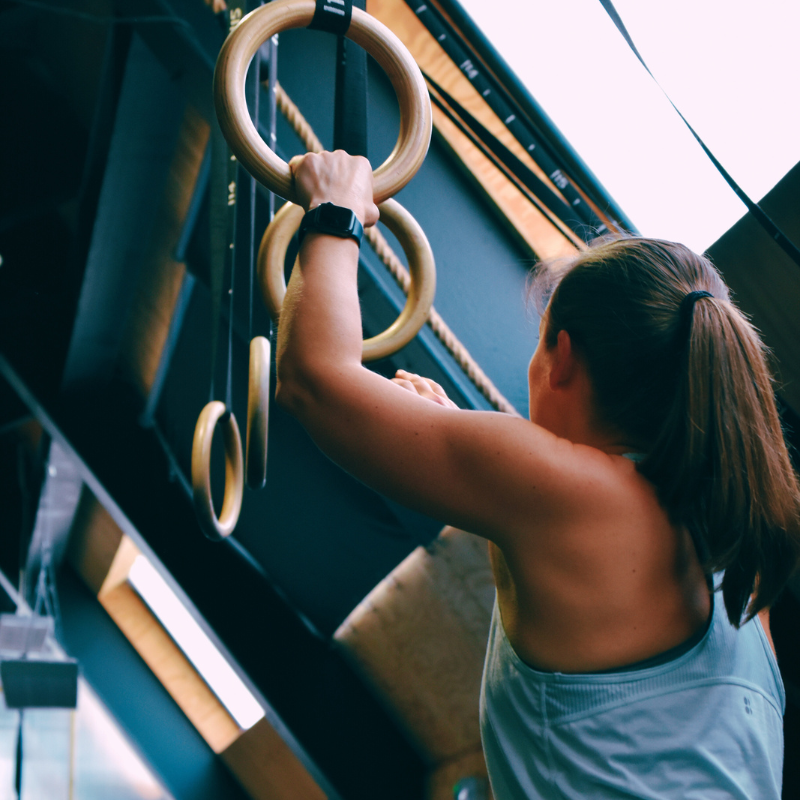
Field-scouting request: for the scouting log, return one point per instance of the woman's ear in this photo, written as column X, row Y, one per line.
column 564, row 361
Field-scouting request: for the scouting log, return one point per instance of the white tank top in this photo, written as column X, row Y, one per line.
column 707, row 725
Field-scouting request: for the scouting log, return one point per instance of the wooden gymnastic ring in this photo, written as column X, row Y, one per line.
column 214, row 527
column 257, row 413
column 272, row 257
column 399, row 65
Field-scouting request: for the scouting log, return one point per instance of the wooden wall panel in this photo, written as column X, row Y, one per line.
column 419, row 640
column 267, row 768
column 94, row 541
column 534, row 227
column 102, row 556
column 259, row 758
column 450, row 773
column 170, row 666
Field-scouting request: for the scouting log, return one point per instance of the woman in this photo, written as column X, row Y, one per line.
column 653, row 459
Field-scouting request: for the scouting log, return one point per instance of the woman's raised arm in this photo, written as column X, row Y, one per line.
column 486, row 472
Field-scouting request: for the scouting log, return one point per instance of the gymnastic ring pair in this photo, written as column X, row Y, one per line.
column 274, row 173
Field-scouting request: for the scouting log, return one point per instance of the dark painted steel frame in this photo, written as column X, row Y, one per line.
column 349, row 743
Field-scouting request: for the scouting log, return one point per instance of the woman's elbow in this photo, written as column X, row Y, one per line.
column 291, row 393
column 302, row 392
column 311, row 392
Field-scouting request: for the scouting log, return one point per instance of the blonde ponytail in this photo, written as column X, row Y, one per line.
column 721, row 464
column 679, row 371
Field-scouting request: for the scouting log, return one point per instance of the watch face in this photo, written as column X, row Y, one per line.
column 336, row 216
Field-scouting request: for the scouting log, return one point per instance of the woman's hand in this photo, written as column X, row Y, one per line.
column 336, row 178
column 424, row 387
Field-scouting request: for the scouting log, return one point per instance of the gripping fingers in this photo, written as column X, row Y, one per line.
column 424, row 387
column 336, row 178
column 407, row 385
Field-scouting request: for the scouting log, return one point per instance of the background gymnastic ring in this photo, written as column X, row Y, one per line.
column 272, row 257
column 257, row 413
column 252, row 151
column 214, row 527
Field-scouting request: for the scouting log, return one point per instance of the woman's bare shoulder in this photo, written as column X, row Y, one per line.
column 596, row 500
column 535, row 483
column 494, row 474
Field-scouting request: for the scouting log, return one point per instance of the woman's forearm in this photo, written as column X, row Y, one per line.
column 319, row 337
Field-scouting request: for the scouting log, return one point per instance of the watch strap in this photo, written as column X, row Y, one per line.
column 333, row 220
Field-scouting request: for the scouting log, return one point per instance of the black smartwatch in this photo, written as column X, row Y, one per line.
column 335, row 220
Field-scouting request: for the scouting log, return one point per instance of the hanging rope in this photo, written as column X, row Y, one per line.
column 386, row 254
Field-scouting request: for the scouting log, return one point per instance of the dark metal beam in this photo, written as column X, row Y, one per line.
column 142, row 146
column 307, row 684
column 12, row 410
column 187, row 45
column 188, row 767
column 58, row 501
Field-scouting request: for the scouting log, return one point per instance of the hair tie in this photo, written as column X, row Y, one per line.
column 686, row 310
column 687, row 304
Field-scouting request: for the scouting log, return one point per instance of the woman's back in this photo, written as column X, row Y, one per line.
column 613, row 582
column 591, row 571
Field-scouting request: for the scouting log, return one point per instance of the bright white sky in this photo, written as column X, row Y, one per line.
column 732, row 68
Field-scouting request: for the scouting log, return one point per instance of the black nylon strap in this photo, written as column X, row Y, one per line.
column 760, row 215
column 350, row 103
column 18, row 757
column 507, row 162
column 532, row 196
column 332, row 16
column 350, row 107
column 253, row 93
column 218, row 224
column 534, row 142
column 224, row 189
column 273, row 108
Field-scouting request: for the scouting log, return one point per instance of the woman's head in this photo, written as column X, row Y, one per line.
column 620, row 301
column 683, row 377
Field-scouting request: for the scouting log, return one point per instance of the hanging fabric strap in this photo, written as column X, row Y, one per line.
column 758, row 213
column 271, row 62
column 222, row 207
column 244, row 257
column 272, row 86
column 332, row 16
column 350, row 107
column 508, row 163
column 218, row 224
column 495, row 96
column 18, row 758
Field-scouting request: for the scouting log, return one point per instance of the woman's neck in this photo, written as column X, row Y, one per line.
column 569, row 412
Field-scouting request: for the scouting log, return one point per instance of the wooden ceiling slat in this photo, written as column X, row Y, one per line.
column 102, row 555
column 261, row 760
column 170, row 666
column 535, row 228
column 267, row 768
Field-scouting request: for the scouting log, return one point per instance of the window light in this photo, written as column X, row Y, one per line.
column 729, row 66
column 195, row 644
